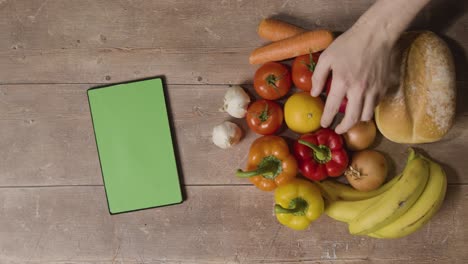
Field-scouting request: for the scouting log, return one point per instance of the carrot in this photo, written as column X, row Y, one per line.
column 274, row 30
column 304, row 43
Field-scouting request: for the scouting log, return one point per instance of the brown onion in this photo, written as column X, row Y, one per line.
column 361, row 135
column 367, row 171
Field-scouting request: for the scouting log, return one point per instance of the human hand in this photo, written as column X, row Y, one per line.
column 360, row 60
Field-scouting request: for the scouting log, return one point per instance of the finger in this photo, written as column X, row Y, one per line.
column 352, row 115
column 332, row 105
column 368, row 109
column 319, row 77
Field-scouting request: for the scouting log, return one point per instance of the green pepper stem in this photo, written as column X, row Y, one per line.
column 298, row 206
column 281, row 210
column 260, row 171
column 321, row 153
column 269, row 167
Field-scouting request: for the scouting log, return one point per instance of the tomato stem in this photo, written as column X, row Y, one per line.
column 271, row 80
column 311, row 64
column 264, row 115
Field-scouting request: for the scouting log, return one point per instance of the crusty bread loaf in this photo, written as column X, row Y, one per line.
column 421, row 108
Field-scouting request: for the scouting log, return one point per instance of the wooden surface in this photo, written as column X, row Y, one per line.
column 52, row 202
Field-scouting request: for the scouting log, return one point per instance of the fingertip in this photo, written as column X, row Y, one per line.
column 339, row 130
column 315, row 92
column 366, row 118
column 331, row 107
column 346, row 124
column 325, row 121
column 323, row 124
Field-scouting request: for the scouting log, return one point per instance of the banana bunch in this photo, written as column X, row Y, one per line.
column 398, row 208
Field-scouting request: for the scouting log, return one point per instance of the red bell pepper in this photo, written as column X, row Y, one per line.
column 321, row 154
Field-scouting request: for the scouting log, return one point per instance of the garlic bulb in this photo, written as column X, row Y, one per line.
column 236, row 101
column 226, row 135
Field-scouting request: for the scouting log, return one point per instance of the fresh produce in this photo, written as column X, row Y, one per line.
column 304, row 43
column 367, row 204
column 236, row 101
column 264, row 117
column 302, row 112
column 272, row 80
column 298, row 203
column 422, row 211
column 302, row 70
column 345, row 203
column 343, row 104
column 226, row 135
column 422, row 108
column 419, row 212
column 367, row 171
column 391, row 204
column 346, row 211
column 303, row 65
column 321, row 155
column 361, row 135
column 335, row 190
column 274, row 30
column 270, row 164
column 395, row 202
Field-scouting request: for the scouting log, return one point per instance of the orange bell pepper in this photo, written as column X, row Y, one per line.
column 270, row 164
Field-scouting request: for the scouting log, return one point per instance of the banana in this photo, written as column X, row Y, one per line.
column 335, row 190
column 346, row 211
column 422, row 211
column 396, row 201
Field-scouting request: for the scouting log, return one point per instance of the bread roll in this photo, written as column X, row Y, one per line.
column 421, row 108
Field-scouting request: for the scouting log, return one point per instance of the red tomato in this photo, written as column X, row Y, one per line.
column 272, row 80
column 264, row 117
column 302, row 69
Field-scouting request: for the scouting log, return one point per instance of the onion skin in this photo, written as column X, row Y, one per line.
column 361, row 135
column 368, row 170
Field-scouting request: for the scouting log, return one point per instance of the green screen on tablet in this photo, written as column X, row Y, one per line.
column 134, row 141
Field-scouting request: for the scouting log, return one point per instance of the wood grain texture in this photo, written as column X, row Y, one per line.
column 56, row 24
column 203, row 42
column 189, row 42
column 47, row 138
column 52, row 203
column 230, row 224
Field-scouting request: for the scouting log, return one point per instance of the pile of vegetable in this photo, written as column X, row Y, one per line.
column 303, row 177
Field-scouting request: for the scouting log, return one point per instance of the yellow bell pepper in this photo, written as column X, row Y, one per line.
column 298, row 203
